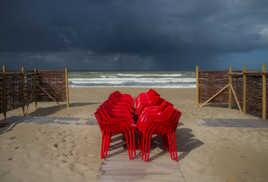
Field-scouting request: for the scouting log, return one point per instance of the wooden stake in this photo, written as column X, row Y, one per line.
column 230, row 91
column 67, row 88
column 35, row 88
column 236, row 98
column 197, row 86
column 215, row 95
column 4, row 96
column 263, row 92
column 244, row 89
column 22, row 92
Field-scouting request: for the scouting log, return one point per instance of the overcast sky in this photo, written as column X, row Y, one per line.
column 139, row 34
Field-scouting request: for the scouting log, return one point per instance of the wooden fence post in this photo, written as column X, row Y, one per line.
column 244, row 89
column 230, row 91
column 67, row 87
column 4, row 96
column 197, row 86
column 22, row 91
column 263, row 92
column 35, row 88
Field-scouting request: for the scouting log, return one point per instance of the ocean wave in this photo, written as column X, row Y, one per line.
column 148, row 75
column 134, row 80
column 137, row 86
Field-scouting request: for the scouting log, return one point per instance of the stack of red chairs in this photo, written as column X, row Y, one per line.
column 154, row 115
column 157, row 119
column 115, row 116
column 145, row 99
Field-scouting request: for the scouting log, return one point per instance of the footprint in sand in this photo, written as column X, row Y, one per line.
column 12, row 138
column 55, row 145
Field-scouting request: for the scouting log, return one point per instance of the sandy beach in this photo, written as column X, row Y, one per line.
column 55, row 152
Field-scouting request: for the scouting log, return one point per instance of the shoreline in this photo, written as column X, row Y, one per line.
column 72, row 86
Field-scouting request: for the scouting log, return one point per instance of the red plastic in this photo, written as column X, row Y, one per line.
column 114, row 117
column 154, row 115
column 163, row 123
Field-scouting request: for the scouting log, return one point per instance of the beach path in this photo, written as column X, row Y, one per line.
column 118, row 168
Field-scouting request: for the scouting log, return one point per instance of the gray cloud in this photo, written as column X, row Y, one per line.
column 159, row 33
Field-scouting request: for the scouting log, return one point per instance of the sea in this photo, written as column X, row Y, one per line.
column 152, row 79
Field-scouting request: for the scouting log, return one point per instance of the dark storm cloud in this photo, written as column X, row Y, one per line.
column 162, row 33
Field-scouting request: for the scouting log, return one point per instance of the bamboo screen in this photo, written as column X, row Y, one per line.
column 210, row 82
column 17, row 89
column 54, row 83
column 12, row 84
column 254, row 94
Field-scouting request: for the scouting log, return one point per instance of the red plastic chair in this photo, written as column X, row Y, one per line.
column 110, row 126
column 163, row 123
column 152, row 92
column 155, row 116
column 116, row 110
column 114, row 117
column 122, row 99
column 143, row 100
column 149, row 98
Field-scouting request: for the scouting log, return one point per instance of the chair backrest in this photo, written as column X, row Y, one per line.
column 167, row 112
column 103, row 115
column 100, row 118
column 115, row 95
column 178, row 115
column 127, row 98
column 97, row 116
column 152, row 92
column 159, row 101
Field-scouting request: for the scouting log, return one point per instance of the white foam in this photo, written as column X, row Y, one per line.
column 131, row 80
column 148, row 75
column 152, row 80
column 139, row 86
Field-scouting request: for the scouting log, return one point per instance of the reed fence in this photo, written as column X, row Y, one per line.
column 19, row 89
column 245, row 90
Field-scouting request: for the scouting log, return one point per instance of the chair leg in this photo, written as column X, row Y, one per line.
column 102, row 145
column 130, row 143
column 175, row 147
column 150, row 133
column 143, row 145
column 105, row 143
column 149, row 147
column 134, row 143
column 127, row 142
column 108, row 144
column 170, row 147
column 108, row 141
column 146, row 147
